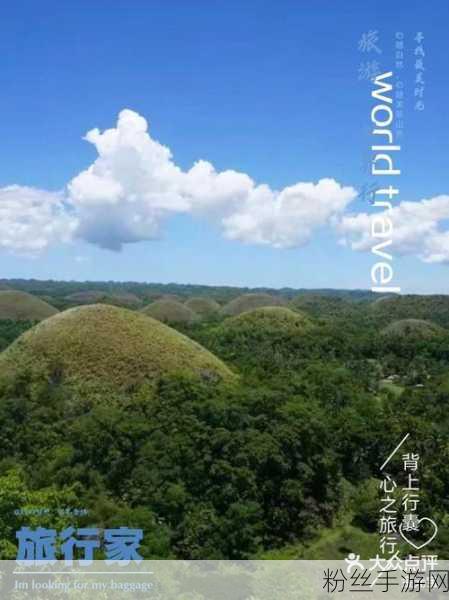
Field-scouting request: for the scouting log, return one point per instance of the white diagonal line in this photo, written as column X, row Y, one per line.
column 394, row 452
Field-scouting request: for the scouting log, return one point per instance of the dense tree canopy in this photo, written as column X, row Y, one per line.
column 279, row 461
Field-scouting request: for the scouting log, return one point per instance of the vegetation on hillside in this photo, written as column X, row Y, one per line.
column 204, row 307
column 263, row 338
column 170, row 311
column 154, row 291
column 100, row 344
column 10, row 330
column 328, row 307
column 125, row 299
column 429, row 308
column 247, row 302
column 412, row 328
column 259, row 435
column 20, row 306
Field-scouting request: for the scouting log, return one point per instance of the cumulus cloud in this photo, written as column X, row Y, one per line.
column 32, row 219
column 418, row 228
column 287, row 218
column 134, row 185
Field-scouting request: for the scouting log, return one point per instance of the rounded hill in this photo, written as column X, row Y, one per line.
column 175, row 297
column 108, row 345
column 170, row 311
column 265, row 338
column 86, row 297
column 381, row 299
column 125, row 299
column 269, row 319
column 205, row 307
column 433, row 308
column 20, row 306
column 412, row 328
column 321, row 306
column 247, row 302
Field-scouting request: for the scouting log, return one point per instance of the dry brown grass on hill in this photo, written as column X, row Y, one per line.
column 109, row 345
column 205, row 307
column 247, row 302
column 170, row 311
column 20, row 306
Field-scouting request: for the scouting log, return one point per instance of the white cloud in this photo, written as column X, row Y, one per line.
column 420, row 229
column 134, row 185
column 32, row 219
column 287, row 218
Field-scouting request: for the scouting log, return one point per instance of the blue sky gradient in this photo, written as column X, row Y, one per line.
column 269, row 89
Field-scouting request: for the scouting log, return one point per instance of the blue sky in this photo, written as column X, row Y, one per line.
column 267, row 89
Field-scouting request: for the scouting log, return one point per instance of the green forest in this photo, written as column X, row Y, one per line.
column 226, row 423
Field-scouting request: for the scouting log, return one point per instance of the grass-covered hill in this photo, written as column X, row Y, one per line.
column 156, row 291
column 146, row 427
column 429, row 308
column 107, row 345
column 324, row 307
column 412, row 328
column 204, row 307
column 85, row 297
column 20, row 306
column 125, row 299
column 170, row 311
column 268, row 320
column 247, row 302
column 171, row 297
column 265, row 338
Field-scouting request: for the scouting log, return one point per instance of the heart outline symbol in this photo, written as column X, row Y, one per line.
column 411, row 542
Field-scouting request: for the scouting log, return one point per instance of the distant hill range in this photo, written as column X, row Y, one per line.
column 150, row 291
